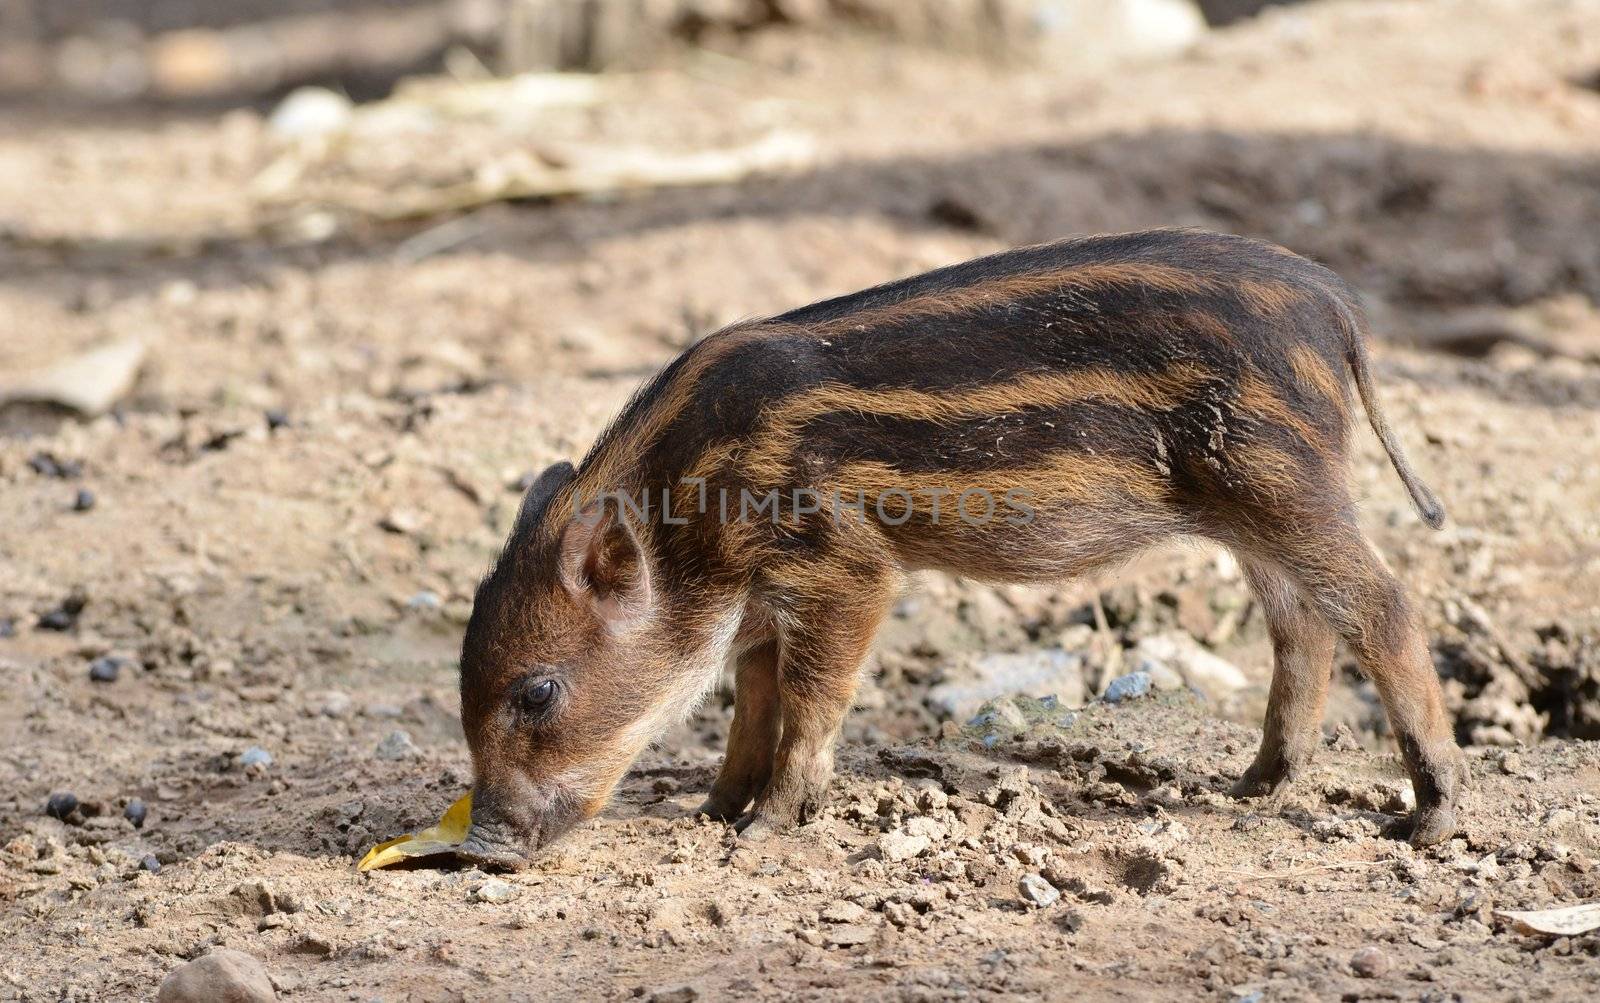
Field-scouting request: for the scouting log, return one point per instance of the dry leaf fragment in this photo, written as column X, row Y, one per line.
column 1567, row 921
column 436, row 839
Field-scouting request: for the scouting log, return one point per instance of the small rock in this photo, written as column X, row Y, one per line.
column 396, row 746
column 1369, row 963
column 276, row 419
column 83, row 501
column 1194, row 665
column 255, row 756
column 135, row 812
column 65, row 616
column 8, row 627
column 425, row 600
column 401, row 521
column 61, row 804
column 105, row 669
column 334, row 703
column 150, row 863
column 51, row 465
column 222, row 976
column 1037, row 891
column 494, row 891
column 311, row 111
column 1128, row 687
column 675, row 994
column 898, row 845
column 1048, row 671
column 999, row 715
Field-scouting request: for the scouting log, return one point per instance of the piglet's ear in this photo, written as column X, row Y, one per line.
column 544, row 487
column 604, row 564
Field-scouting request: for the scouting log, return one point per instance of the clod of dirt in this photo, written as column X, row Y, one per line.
column 61, row 804
column 135, row 813
column 1370, row 963
column 900, row 845
column 223, row 976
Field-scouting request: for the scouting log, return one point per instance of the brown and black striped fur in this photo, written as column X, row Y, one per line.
column 1133, row 387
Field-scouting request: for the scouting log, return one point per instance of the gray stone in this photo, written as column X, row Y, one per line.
column 1128, row 687
column 397, row 746
column 494, row 891
column 223, row 976
column 1177, row 652
column 1050, row 671
column 255, row 756
column 1035, row 890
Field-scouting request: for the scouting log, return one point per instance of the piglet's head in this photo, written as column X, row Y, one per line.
column 562, row 673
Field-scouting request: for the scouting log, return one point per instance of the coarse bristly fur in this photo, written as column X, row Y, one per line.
column 1026, row 416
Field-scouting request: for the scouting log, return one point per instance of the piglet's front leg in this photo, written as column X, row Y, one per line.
column 822, row 648
column 753, row 737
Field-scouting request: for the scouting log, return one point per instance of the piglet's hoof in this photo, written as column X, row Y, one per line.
column 757, row 827
column 719, row 811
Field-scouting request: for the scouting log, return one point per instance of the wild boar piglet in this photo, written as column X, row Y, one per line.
column 1023, row 417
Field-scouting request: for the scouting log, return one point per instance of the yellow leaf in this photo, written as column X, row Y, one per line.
column 441, row 838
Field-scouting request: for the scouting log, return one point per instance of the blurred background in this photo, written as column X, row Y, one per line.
column 294, row 296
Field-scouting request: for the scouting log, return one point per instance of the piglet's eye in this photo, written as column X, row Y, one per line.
column 537, row 697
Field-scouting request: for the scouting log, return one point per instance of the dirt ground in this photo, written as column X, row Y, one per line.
column 292, row 510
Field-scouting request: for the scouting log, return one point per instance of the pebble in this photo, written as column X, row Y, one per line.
column 311, row 111
column 276, row 419
column 8, row 627
column 1369, row 963
column 222, row 975
column 61, row 804
column 1129, row 687
column 495, row 890
column 65, row 616
column 135, row 812
column 83, row 501
column 397, row 745
column 255, row 756
column 424, row 600
column 335, row 703
column 1036, row 890
column 51, row 465
column 105, row 669
column 150, row 863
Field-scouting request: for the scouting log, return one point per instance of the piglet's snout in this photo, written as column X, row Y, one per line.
column 501, row 836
